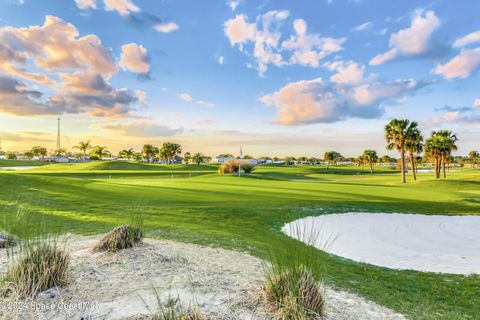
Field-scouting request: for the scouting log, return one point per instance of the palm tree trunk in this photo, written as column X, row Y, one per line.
column 371, row 168
column 444, row 164
column 402, row 155
column 439, row 166
column 412, row 165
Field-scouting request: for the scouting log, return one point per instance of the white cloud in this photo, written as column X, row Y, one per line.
column 77, row 70
column 233, row 4
column 166, row 27
column 205, row 103
column 185, row 97
column 141, row 95
column 221, row 60
column 309, row 49
column 135, row 58
column 239, row 30
column 347, row 72
column 466, row 40
column 264, row 35
column 313, row 101
column 412, row 41
column 363, row 26
column 123, row 7
column 86, row 4
column 461, row 65
column 476, row 103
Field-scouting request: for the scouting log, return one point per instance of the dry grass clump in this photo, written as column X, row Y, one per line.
column 122, row 237
column 295, row 295
column 229, row 167
column 293, row 275
column 41, row 266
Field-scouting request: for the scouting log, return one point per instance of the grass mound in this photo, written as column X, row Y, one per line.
column 295, row 295
column 42, row 266
column 122, row 237
column 293, row 276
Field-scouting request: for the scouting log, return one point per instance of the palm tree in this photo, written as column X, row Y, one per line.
column 330, row 156
column 473, row 156
column 198, row 158
column 148, row 151
column 432, row 150
column 169, row 150
column 100, row 151
column 39, row 152
column 187, row 157
column 396, row 135
column 84, row 146
column 447, row 143
column 127, row 153
column 370, row 157
column 413, row 145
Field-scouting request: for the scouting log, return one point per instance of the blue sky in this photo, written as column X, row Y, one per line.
column 276, row 77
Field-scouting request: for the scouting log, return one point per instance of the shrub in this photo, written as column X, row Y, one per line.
column 295, row 295
column 293, row 275
column 42, row 266
column 247, row 167
column 122, row 237
column 229, row 167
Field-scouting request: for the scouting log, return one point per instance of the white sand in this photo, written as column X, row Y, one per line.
column 433, row 243
column 224, row 284
column 22, row 168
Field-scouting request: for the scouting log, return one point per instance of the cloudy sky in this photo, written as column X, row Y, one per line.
column 275, row 77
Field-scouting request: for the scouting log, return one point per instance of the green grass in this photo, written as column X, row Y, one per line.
column 194, row 204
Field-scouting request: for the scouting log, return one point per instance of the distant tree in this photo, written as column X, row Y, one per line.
column 371, row 158
column 84, row 146
column 187, row 157
column 169, row 150
column 11, row 156
column 396, row 135
column 473, row 156
column 60, row 152
column 265, row 158
column 331, row 156
column 126, row 153
column 39, row 152
column 302, row 159
column 198, row 158
column 413, row 145
column 312, row 160
column 207, row 159
column 387, row 159
column 288, row 160
column 28, row 154
column 276, row 159
column 225, row 155
column 100, row 152
column 149, row 151
column 247, row 157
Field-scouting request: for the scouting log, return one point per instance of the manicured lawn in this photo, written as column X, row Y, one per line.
column 194, row 204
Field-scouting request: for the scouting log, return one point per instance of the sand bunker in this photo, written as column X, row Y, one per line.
column 433, row 243
column 223, row 284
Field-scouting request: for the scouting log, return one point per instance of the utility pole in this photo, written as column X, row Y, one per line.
column 58, row 133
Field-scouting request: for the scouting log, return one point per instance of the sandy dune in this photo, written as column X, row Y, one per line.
column 449, row 244
column 224, row 284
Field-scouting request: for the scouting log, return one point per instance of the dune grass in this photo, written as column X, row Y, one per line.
column 197, row 205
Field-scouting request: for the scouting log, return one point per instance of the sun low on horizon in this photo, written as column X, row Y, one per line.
column 276, row 78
